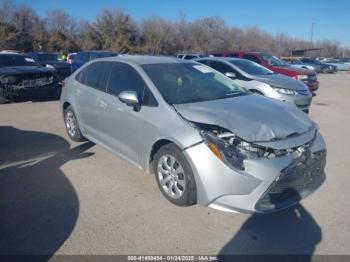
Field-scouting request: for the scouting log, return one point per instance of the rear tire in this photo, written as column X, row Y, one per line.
column 174, row 176
column 72, row 125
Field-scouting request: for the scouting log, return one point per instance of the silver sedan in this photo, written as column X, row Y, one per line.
column 206, row 139
column 263, row 81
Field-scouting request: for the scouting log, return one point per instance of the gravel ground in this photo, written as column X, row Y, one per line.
column 59, row 197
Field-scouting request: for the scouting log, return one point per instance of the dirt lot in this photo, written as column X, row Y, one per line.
column 58, row 197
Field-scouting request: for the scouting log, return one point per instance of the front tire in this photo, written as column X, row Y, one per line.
column 174, row 176
column 72, row 125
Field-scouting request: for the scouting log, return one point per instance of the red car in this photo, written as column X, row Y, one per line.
column 278, row 66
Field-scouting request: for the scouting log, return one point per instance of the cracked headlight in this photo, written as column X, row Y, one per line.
column 233, row 151
column 284, row 91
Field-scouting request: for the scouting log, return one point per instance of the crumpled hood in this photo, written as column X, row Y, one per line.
column 281, row 81
column 253, row 118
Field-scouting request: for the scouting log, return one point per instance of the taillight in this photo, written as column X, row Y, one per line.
column 61, row 83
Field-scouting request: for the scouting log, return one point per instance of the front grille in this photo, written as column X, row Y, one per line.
column 296, row 181
column 37, row 82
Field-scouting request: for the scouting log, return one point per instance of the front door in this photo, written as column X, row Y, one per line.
column 121, row 124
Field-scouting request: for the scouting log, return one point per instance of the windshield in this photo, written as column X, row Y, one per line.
column 181, row 83
column 251, row 67
column 274, row 61
column 16, row 60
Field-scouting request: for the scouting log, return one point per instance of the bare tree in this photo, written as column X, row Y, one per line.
column 113, row 29
column 117, row 30
column 157, row 36
column 62, row 29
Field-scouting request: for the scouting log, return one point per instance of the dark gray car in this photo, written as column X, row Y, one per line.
column 269, row 84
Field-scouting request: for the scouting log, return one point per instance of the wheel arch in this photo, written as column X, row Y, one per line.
column 154, row 149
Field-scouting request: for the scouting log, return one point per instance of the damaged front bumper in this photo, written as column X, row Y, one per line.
column 30, row 87
column 266, row 185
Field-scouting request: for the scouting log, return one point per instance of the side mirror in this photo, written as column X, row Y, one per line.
column 231, row 75
column 129, row 97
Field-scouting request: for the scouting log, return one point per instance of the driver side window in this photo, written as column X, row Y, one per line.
column 125, row 78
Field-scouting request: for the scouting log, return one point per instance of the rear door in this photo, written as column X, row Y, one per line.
column 92, row 82
column 121, row 124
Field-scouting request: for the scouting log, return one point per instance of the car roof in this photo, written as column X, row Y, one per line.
column 144, row 59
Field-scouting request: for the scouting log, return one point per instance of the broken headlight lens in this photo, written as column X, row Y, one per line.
column 232, row 150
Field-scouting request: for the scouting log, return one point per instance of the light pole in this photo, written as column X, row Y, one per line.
column 311, row 33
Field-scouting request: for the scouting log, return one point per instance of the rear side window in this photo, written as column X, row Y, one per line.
column 125, row 78
column 95, row 75
column 252, row 58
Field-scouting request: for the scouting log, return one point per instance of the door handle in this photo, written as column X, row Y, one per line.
column 77, row 91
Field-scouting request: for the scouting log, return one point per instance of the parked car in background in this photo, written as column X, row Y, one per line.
column 86, row 56
column 278, row 66
column 341, row 65
column 206, row 139
column 51, row 60
column 261, row 80
column 190, row 56
column 11, row 51
column 20, row 75
column 297, row 63
column 324, row 68
column 70, row 57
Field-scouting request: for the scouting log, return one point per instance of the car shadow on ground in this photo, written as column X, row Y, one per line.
column 38, row 204
column 290, row 232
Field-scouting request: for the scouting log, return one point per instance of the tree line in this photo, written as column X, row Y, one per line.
column 21, row 28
